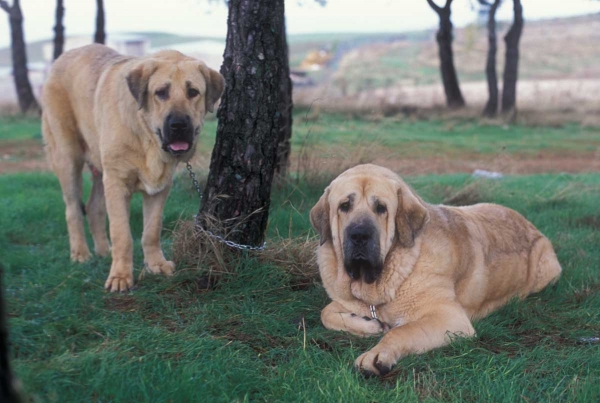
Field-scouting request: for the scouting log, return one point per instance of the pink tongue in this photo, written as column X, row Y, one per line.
column 179, row 146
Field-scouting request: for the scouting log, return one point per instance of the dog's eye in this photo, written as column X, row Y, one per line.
column 381, row 209
column 345, row 206
column 192, row 92
column 163, row 93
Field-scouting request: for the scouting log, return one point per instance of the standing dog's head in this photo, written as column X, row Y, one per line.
column 364, row 212
column 173, row 93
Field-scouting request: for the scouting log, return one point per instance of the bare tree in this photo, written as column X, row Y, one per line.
column 59, row 30
column 511, row 66
column 285, row 111
column 27, row 101
column 454, row 98
column 491, row 108
column 100, row 35
column 243, row 161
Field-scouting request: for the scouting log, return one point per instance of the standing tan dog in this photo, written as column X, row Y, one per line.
column 132, row 120
column 423, row 271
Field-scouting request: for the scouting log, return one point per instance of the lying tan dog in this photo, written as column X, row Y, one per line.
column 132, row 120
column 424, row 271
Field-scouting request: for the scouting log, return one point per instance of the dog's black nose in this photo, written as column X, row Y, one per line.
column 178, row 123
column 360, row 234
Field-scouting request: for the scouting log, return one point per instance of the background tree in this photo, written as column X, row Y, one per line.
column 285, row 110
column 27, row 101
column 243, row 161
column 491, row 108
column 100, row 35
column 454, row 98
column 511, row 66
column 59, row 30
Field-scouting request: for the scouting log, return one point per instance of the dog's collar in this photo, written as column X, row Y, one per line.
column 373, row 312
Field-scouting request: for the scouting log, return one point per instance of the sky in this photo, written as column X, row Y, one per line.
column 209, row 18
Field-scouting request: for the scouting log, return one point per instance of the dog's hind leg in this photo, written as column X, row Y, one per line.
column 96, row 214
column 66, row 156
column 544, row 267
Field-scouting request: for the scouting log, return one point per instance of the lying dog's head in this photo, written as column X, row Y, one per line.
column 173, row 93
column 364, row 212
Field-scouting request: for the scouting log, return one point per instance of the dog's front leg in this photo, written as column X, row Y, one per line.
column 153, row 255
column 118, row 198
column 355, row 319
column 433, row 330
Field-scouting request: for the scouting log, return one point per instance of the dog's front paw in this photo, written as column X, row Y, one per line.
column 362, row 326
column 377, row 361
column 119, row 280
column 80, row 254
column 165, row 267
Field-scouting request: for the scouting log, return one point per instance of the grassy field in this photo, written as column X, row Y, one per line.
column 174, row 340
column 550, row 49
column 343, row 139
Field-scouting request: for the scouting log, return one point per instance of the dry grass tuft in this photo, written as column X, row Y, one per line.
column 466, row 196
column 193, row 246
column 297, row 256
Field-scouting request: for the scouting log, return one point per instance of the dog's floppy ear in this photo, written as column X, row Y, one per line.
column 410, row 217
column 137, row 81
column 319, row 218
column 215, row 84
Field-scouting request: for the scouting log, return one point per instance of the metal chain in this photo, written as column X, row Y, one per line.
column 194, row 181
column 219, row 238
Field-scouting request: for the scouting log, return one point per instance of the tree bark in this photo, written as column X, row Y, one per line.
column 27, row 101
column 237, row 194
column 100, row 35
column 7, row 391
column 59, row 30
column 285, row 109
column 511, row 66
column 454, row 98
column 491, row 108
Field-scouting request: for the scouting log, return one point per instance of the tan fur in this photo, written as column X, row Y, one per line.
column 444, row 266
column 100, row 108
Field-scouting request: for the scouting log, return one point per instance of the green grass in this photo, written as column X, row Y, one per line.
column 19, row 128
column 170, row 341
column 406, row 137
column 413, row 138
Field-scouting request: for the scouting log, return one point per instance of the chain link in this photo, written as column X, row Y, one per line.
column 219, row 238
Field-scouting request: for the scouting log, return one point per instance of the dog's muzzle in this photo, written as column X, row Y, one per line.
column 177, row 134
column 361, row 252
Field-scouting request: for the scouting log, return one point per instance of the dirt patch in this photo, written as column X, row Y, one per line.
column 28, row 156
column 22, row 156
column 590, row 221
column 542, row 162
column 121, row 303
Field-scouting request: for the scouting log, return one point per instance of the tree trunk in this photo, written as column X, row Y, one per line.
column 100, row 35
column 7, row 391
column 285, row 109
column 491, row 108
column 454, row 98
column 59, row 30
column 243, row 161
column 511, row 67
column 27, row 101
